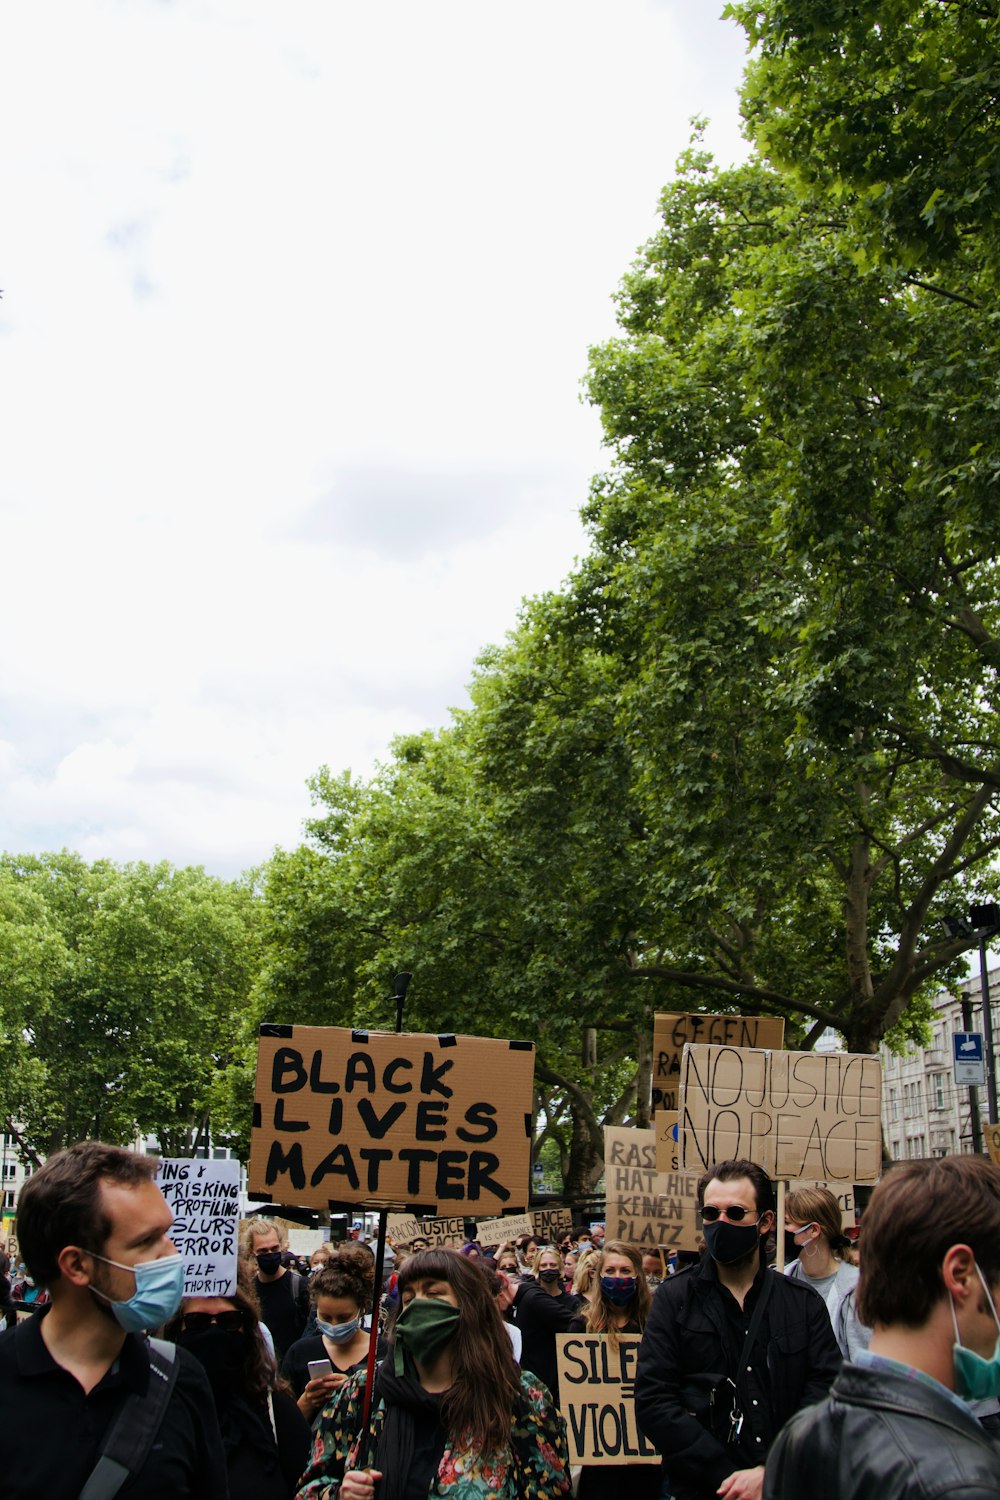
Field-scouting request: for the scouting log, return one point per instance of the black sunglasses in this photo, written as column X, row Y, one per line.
column 231, row 1320
column 734, row 1212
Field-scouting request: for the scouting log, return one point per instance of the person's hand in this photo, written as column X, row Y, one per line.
column 359, row 1484
column 318, row 1392
column 744, row 1484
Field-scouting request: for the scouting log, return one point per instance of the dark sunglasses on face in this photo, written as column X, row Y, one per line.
column 231, row 1321
column 734, row 1212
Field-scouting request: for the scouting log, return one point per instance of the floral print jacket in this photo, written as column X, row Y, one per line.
column 535, row 1467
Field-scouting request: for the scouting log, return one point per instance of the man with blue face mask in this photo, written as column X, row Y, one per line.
column 898, row 1421
column 93, row 1228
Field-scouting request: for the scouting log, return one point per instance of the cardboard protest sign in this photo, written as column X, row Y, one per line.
column 439, row 1233
column 991, row 1135
column 499, row 1231
column 672, row 1030
column 546, row 1224
column 597, row 1398
column 550, row 1224
column 801, row 1115
column 844, row 1194
column 434, row 1124
column 205, row 1198
column 647, row 1208
column 665, row 1126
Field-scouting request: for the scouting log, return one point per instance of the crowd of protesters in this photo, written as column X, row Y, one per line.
column 310, row 1382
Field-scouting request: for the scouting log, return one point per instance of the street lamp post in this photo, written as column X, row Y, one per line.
column 977, row 1129
column 986, row 920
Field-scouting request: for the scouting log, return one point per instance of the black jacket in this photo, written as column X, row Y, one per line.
column 540, row 1316
column 689, row 1348
column 887, row 1435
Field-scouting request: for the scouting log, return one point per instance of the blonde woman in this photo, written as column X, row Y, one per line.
column 543, row 1308
column 585, row 1275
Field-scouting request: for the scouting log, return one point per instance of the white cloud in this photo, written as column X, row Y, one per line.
column 297, row 301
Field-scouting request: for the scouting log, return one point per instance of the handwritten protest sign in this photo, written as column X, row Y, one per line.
column 433, row 1124
column 439, row 1233
column 546, row 1224
column 205, row 1199
column 645, row 1207
column 801, row 1115
column 665, row 1126
column 597, row 1398
column 991, row 1135
column 672, row 1030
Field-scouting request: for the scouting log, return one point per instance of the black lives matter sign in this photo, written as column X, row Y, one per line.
column 437, row 1125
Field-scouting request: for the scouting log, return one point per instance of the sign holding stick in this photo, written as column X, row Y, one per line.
column 597, row 1398
column 673, row 1030
column 205, row 1198
column 440, row 1125
column 798, row 1114
column 647, row 1208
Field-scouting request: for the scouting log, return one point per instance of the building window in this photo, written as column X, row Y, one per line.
column 893, row 1105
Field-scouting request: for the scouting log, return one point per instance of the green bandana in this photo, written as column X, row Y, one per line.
column 423, row 1329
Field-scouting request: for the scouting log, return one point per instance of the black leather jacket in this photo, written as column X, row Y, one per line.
column 688, row 1350
column 885, row 1435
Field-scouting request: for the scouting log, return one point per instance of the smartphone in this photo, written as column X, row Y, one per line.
column 318, row 1368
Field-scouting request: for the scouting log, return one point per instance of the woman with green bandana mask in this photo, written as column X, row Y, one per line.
column 451, row 1413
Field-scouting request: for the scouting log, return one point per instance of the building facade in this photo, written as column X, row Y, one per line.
column 924, row 1113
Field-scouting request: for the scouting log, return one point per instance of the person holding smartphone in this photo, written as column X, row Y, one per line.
column 318, row 1365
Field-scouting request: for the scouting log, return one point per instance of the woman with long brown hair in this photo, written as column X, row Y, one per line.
column 619, row 1303
column 451, row 1414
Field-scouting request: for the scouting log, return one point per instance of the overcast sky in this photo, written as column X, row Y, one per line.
column 296, row 304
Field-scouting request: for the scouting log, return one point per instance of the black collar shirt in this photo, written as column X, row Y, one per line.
column 52, row 1430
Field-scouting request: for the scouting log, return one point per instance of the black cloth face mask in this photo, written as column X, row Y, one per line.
column 729, row 1243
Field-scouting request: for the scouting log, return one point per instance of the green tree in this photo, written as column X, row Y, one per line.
column 145, row 970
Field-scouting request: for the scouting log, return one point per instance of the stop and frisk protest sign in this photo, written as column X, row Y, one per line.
column 205, row 1199
column 597, row 1398
column 645, row 1207
column 672, row 1030
column 814, row 1115
column 434, row 1124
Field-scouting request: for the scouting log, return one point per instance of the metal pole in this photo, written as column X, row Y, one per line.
column 399, row 989
column 977, row 1129
column 991, row 1066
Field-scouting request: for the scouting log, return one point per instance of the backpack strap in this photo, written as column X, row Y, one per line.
column 127, row 1444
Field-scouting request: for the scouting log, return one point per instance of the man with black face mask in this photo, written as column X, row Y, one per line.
column 283, row 1294
column 731, row 1349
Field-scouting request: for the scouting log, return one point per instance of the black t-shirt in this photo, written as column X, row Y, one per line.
column 540, row 1316
column 51, row 1430
column 284, row 1307
column 295, row 1365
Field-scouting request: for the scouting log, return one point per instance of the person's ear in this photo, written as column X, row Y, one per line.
column 767, row 1221
column 958, row 1272
column 75, row 1265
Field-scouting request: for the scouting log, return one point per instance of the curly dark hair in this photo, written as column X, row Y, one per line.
column 349, row 1273
column 486, row 1384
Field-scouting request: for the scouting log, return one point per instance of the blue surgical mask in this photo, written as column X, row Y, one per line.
column 975, row 1377
column 159, row 1287
column 339, row 1333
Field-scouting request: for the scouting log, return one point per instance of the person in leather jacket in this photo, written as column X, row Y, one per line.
column 731, row 1349
column 896, row 1423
